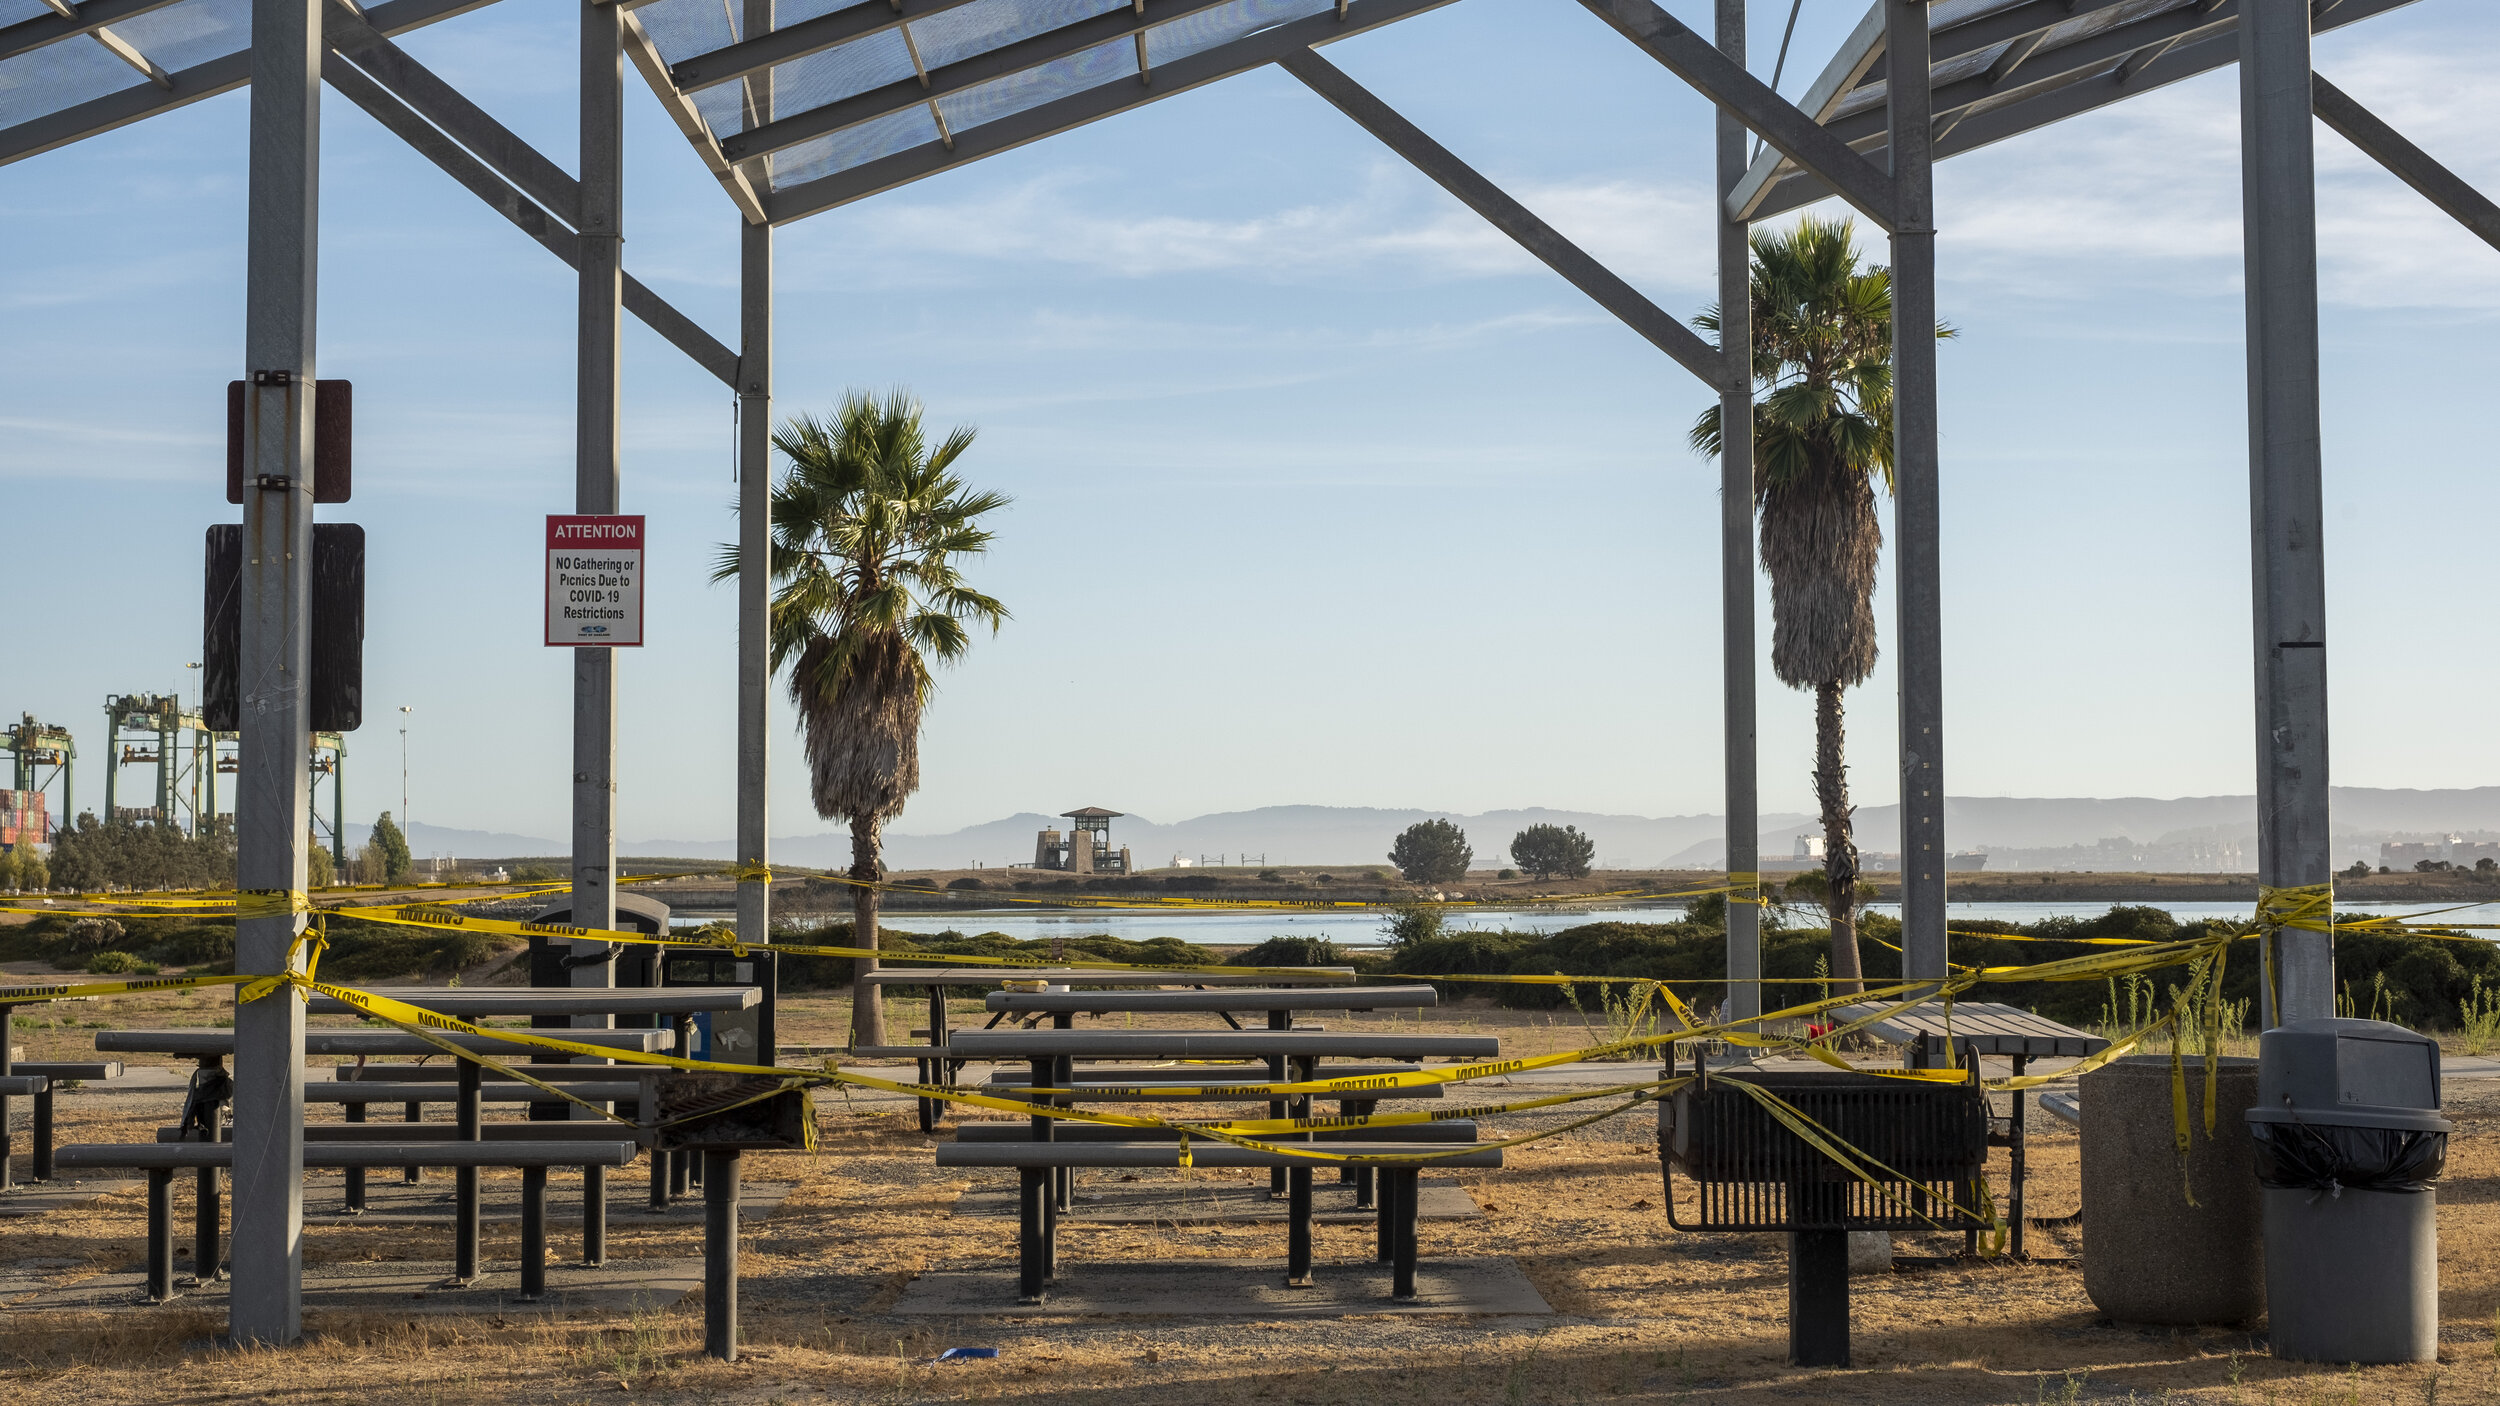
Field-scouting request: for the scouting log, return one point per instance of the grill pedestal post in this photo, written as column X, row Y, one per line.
column 1818, row 1298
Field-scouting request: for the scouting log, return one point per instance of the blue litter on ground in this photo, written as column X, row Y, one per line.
column 965, row 1354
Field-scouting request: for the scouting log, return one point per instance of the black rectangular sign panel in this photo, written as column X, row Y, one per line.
column 338, row 628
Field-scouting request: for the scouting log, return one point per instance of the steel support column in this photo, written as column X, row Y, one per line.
column 1919, row 657
column 1736, row 569
column 2279, row 216
column 755, row 478
column 596, row 485
column 273, row 789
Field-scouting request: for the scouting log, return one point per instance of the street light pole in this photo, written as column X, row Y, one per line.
column 404, row 711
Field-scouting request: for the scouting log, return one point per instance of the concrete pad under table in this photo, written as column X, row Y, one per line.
column 33, row 1198
column 390, row 1201
column 409, row 1286
column 1171, row 1201
column 1228, row 1289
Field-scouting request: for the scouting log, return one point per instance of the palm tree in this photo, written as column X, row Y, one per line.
column 868, row 526
column 1822, row 358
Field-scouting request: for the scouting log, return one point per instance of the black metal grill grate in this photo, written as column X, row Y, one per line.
column 1754, row 1173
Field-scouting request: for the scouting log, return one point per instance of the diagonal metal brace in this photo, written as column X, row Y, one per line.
column 2407, row 162
column 1712, row 74
column 1507, row 215
column 448, row 108
column 534, row 219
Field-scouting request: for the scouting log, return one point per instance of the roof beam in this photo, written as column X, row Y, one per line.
column 690, row 123
column 1850, row 63
column 2020, row 29
column 498, row 191
column 1092, row 105
column 2053, row 99
column 1509, row 216
column 204, row 80
column 2120, row 44
column 955, row 77
column 799, row 40
column 124, row 50
column 1725, row 82
column 2407, row 162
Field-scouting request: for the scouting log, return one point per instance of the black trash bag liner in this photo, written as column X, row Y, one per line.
column 2310, row 1157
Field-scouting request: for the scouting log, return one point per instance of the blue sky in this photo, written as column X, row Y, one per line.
column 1325, row 494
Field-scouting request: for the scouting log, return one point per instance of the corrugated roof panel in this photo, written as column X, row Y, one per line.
column 953, row 35
column 854, row 146
column 681, row 29
column 1003, row 97
column 192, row 32
column 1208, row 28
column 44, row 81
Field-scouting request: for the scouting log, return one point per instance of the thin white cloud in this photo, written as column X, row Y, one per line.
column 1396, row 222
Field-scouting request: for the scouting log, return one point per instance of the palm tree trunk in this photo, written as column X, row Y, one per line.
column 867, row 999
column 1840, row 846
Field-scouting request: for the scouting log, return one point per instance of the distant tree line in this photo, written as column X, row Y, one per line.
column 1437, row 852
column 91, row 855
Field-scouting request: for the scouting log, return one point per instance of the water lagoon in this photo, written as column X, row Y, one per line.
column 1362, row 927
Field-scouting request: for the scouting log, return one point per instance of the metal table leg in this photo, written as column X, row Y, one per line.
column 160, row 1234
column 354, row 1202
column 43, row 1130
column 720, row 1253
column 533, row 1233
column 207, row 1239
column 464, row 1233
column 1402, row 1269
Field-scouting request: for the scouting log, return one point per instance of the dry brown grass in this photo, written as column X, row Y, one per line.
column 1644, row 1313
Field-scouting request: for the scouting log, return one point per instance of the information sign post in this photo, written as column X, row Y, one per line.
column 594, row 580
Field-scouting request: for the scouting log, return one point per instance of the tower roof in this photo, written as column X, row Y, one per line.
column 1089, row 813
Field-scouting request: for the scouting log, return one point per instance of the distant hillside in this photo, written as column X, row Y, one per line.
column 2185, row 834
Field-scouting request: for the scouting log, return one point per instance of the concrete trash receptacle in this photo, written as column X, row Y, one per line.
column 2148, row 1255
column 2349, row 1147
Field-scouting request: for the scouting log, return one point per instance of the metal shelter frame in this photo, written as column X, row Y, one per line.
column 802, row 106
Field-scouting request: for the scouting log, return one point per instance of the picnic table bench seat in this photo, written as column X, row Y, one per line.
column 54, row 1073
column 1038, row 1210
column 1351, row 998
column 160, row 1160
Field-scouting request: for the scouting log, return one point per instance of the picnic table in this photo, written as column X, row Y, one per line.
column 1048, row 1171
column 936, row 1067
column 1936, row 1035
column 211, row 1048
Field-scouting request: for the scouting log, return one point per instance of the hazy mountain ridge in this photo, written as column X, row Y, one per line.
column 2019, row 832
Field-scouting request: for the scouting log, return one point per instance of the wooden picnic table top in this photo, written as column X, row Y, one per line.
column 183, row 1155
column 1990, row 1027
column 1213, row 1044
column 1232, row 998
column 1078, row 976
column 467, row 1001
column 198, row 1043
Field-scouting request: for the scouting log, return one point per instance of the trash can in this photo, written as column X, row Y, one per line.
column 2170, row 1237
column 2349, row 1146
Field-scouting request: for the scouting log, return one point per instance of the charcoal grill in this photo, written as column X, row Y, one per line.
column 1754, row 1174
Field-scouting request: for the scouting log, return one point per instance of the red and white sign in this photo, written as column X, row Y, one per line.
column 594, row 581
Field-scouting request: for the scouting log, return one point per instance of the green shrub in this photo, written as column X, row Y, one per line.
column 94, row 934
column 1192, row 881
column 966, row 882
column 1300, row 952
column 119, row 964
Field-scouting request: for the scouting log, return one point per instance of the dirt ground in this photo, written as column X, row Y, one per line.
column 1644, row 1313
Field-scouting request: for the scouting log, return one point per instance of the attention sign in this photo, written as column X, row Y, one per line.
column 594, row 580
